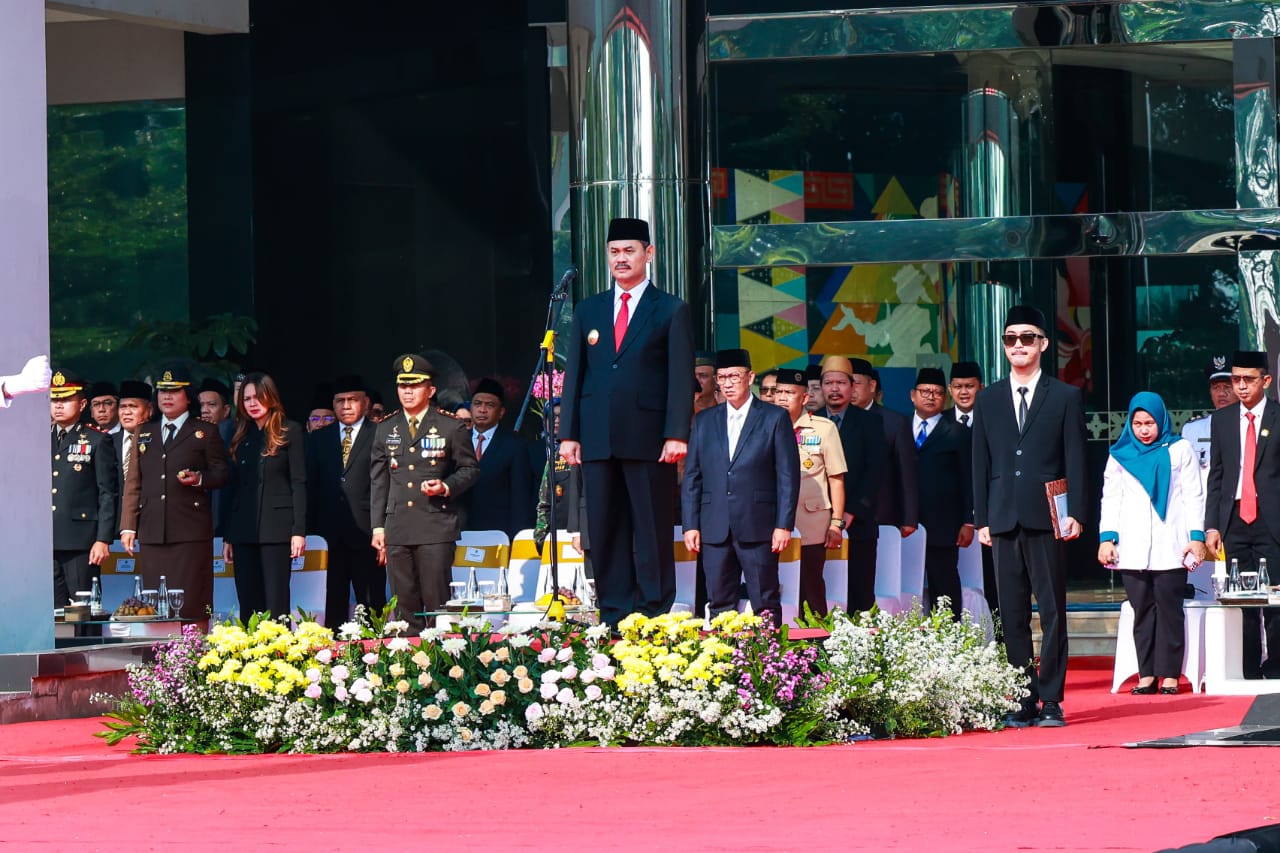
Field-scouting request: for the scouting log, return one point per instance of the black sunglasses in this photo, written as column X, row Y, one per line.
column 1026, row 338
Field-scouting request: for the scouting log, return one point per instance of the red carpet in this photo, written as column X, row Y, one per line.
column 1040, row 789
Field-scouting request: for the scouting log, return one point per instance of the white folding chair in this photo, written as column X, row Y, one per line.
column 836, row 575
column 889, row 569
column 912, row 572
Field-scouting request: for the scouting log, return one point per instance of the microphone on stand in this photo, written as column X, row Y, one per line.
column 562, row 289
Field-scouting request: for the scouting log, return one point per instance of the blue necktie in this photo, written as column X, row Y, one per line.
column 922, row 435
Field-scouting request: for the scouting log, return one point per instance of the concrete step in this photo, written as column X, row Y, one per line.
column 1089, row 632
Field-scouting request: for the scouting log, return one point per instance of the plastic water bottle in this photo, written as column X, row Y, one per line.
column 137, row 587
column 95, row 599
column 472, row 590
column 1233, row 579
column 1264, row 579
column 503, row 585
column 162, row 595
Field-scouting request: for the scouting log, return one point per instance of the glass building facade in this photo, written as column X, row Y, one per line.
column 884, row 182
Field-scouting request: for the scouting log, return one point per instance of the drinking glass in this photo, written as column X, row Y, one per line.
column 1249, row 581
column 176, row 599
column 151, row 598
column 456, row 589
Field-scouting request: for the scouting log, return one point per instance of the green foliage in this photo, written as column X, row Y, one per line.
column 218, row 343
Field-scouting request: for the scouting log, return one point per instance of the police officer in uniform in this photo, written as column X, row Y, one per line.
column 172, row 466
column 421, row 461
column 85, row 491
column 820, row 510
column 1222, row 395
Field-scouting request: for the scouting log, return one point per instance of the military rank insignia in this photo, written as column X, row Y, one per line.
column 143, row 440
column 808, row 463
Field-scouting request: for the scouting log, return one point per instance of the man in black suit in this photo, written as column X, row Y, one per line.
column 741, row 483
column 104, row 407
column 338, row 504
column 625, row 416
column 1028, row 430
column 1242, row 508
column 945, row 471
column 173, row 465
column 897, row 501
column 862, row 440
column 966, row 382
column 421, row 462
column 85, row 496
column 134, row 410
column 503, row 496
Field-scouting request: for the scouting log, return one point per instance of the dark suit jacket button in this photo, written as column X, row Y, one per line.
column 342, row 479
column 1017, row 452
column 615, row 367
column 1017, row 473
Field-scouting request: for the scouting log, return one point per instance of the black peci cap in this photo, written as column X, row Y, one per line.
column 931, row 376
column 624, row 228
column 1025, row 315
column 733, row 358
column 966, row 370
column 490, row 386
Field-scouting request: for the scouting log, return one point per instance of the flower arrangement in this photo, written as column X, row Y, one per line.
column 540, row 389
column 673, row 679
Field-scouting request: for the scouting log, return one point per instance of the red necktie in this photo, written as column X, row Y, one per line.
column 620, row 323
column 479, row 446
column 1248, row 489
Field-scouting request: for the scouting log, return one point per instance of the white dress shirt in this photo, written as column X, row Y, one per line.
column 636, row 293
column 1257, row 432
column 960, row 417
column 355, row 432
column 488, row 437
column 930, row 425
column 177, row 423
column 1031, row 390
column 737, row 417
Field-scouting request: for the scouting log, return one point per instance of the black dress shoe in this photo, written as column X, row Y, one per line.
column 1169, row 691
column 1051, row 716
column 1021, row 718
column 1144, row 689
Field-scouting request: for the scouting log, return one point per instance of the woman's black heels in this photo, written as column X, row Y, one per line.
column 1144, row 689
column 1169, row 689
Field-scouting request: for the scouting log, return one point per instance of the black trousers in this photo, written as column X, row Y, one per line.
column 730, row 562
column 1033, row 562
column 989, row 585
column 862, row 574
column 71, row 574
column 700, row 587
column 353, row 569
column 419, row 576
column 262, row 578
column 813, row 587
column 942, row 571
column 1159, row 624
column 630, row 530
column 1247, row 543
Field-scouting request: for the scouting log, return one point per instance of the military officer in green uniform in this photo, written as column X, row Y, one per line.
column 85, row 490
column 421, row 461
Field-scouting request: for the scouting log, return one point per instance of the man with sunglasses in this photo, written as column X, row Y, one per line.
column 1028, row 430
column 1243, row 495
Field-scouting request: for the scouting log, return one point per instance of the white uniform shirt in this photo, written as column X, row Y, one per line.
column 1147, row 542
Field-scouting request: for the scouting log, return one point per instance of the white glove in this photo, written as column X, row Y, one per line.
column 35, row 376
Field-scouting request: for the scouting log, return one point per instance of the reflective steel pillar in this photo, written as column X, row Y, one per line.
column 987, row 189
column 1254, row 61
column 628, row 92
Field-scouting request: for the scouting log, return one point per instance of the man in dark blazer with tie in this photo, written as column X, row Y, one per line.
column 897, row 502
column 1028, row 430
column 966, row 382
column 338, row 503
column 862, row 440
column 1242, row 506
column 503, row 496
column 174, row 464
column 85, row 490
column 741, row 483
column 625, row 416
column 945, row 476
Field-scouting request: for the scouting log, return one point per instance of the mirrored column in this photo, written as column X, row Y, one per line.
column 1254, row 101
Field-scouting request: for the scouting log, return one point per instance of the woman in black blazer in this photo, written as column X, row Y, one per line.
column 264, row 513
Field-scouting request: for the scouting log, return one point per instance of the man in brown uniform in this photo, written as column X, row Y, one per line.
column 172, row 466
column 820, row 513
